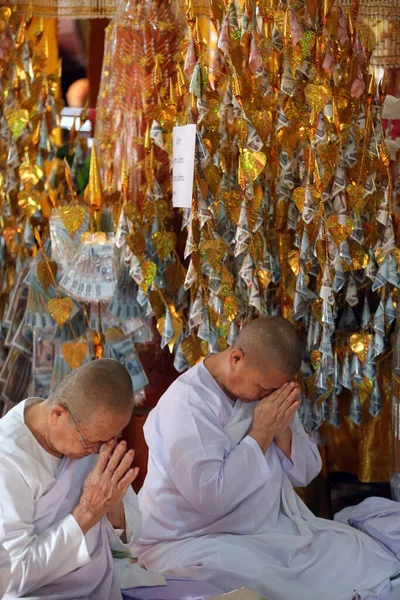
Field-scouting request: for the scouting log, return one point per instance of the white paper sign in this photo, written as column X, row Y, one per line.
column 183, row 146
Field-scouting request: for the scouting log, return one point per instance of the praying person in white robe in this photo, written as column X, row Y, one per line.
column 65, row 503
column 226, row 449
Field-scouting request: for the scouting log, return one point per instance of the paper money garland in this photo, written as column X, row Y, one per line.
column 56, row 316
column 292, row 199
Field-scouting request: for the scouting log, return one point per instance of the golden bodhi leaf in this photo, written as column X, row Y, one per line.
column 213, row 252
column 232, row 201
column 263, row 278
column 231, row 308
column 44, row 275
column 149, row 271
column 164, row 243
column 294, row 261
column 17, row 119
column 251, row 165
column 29, row 202
column 365, row 389
column 133, row 214
column 177, row 326
column 356, row 197
column 192, row 349
column 30, row 174
column 317, row 96
column 339, row 232
column 137, row 243
column 72, row 218
column 74, row 353
column 114, row 335
column 359, row 344
column 175, row 277
column 60, row 309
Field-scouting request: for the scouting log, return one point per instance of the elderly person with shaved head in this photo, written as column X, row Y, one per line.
column 226, row 451
column 66, row 501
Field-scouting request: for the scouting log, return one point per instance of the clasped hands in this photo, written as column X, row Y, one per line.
column 273, row 415
column 106, row 486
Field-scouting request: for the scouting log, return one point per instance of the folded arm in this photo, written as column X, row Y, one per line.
column 210, row 475
column 36, row 559
column 299, row 455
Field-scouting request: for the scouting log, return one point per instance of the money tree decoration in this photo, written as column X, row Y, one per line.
column 301, row 196
column 292, row 190
column 140, row 75
column 58, row 275
column 292, row 201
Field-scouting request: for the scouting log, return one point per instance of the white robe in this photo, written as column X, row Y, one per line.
column 4, row 565
column 215, row 508
column 27, row 472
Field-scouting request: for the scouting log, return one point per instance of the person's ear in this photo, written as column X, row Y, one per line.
column 235, row 356
column 57, row 412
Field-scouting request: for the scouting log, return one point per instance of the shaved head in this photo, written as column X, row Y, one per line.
column 102, row 385
column 270, row 342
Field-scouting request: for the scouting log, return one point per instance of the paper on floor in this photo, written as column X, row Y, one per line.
column 242, row 594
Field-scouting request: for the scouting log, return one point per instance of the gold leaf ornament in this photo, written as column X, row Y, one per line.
column 74, row 353
column 359, row 344
column 29, row 202
column 60, row 309
column 263, row 278
column 294, row 261
column 251, row 165
column 133, row 214
column 231, row 308
column 175, row 277
column 114, row 335
column 315, row 358
column 177, row 325
column 72, row 217
column 192, row 349
column 149, row 271
column 232, row 201
column 213, row 252
column 137, row 243
column 365, row 389
column 17, row 119
column 340, row 232
column 359, row 258
column 356, row 197
column 30, row 174
column 213, row 178
column 44, row 275
column 164, row 243
column 317, row 96
column 299, row 195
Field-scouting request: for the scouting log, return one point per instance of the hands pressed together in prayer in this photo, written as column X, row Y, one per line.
column 272, row 417
column 106, row 486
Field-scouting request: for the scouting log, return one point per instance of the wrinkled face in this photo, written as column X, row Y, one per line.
column 77, row 439
column 250, row 384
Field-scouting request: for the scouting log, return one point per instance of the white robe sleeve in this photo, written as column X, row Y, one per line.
column 36, row 560
column 197, row 455
column 133, row 520
column 305, row 463
column 4, row 565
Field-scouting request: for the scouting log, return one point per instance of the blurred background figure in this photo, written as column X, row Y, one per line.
column 72, row 44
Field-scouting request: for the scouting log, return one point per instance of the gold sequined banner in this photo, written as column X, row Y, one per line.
column 382, row 20
column 87, row 9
